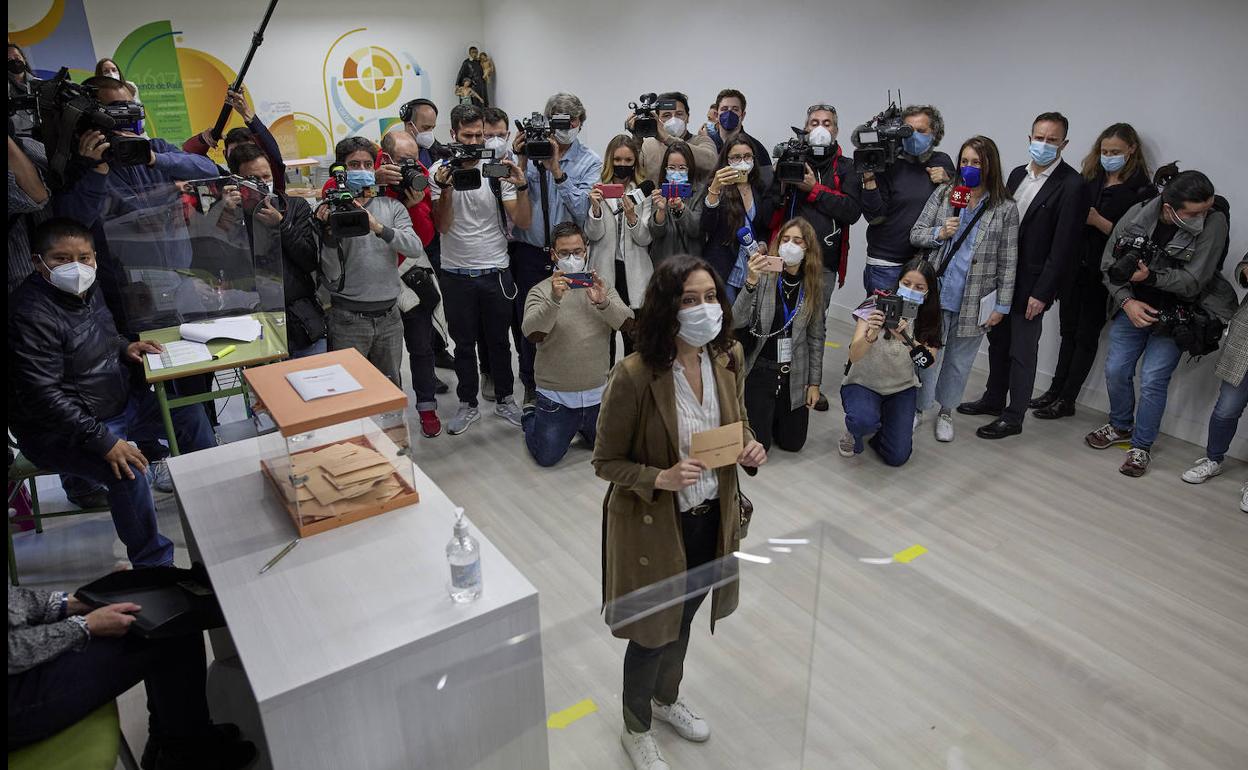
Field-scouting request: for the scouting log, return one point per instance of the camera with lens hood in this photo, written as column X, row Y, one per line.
column 645, row 112
column 539, row 130
column 793, row 156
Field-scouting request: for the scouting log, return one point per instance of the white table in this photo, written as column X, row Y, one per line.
column 354, row 654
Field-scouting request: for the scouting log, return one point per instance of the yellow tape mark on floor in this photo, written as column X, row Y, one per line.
column 910, row 554
column 561, row 719
column 832, row 344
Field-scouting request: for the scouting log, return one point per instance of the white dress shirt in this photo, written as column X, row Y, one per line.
column 1031, row 185
column 693, row 417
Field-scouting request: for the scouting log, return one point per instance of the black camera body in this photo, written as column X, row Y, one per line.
column 879, row 143
column 793, row 156
column 894, row 309
column 1194, row 330
column 345, row 219
column 645, row 111
column 1129, row 251
column 412, row 176
column 459, row 156
column 539, row 132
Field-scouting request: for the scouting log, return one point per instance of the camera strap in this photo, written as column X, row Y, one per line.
column 957, row 244
column 544, row 188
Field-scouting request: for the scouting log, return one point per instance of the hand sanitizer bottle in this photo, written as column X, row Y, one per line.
column 464, row 554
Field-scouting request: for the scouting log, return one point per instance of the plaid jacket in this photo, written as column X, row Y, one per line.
column 1233, row 362
column 994, row 256
column 755, row 311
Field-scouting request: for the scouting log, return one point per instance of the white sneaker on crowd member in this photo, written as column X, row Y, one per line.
column 1202, row 471
column 1243, row 499
column 643, row 750
column 918, row 420
column 846, row 445
column 158, row 476
column 509, row 410
column 944, row 427
column 687, row 724
column 466, row 416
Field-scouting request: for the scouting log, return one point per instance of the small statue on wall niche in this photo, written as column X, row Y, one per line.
column 487, row 70
column 473, row 72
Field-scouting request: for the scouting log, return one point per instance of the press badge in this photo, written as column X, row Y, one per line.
column 784, row 350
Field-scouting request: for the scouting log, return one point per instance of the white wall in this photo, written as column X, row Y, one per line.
column 1174, row 70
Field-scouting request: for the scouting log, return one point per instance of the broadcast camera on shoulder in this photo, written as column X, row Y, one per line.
column 646, row 110
column 538, row 130
column 793, row 156
column 880, row 141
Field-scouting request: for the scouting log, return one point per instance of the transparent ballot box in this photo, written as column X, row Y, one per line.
column 341, row 449
column 192, row 252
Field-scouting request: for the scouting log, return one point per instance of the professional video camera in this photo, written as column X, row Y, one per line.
column 346, row 220
column 459, row 156
column 539, row 131
column 646, row 122
column 879, row 141
column 65, row 110
column 1129, row 251
column 1194, row 330
column 793, row 156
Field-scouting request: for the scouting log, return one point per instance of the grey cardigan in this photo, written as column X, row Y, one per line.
column 756, row 311
column 678, row 234
column 39, row 630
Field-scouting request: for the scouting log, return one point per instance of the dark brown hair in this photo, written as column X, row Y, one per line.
column 927, row 326
column 1137, row 162
column 730, row 198
column 686, row 152
column 99, row 68
column 657, row 324
column 989, row 169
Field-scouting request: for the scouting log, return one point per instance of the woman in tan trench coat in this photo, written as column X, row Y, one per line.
column 665, row 514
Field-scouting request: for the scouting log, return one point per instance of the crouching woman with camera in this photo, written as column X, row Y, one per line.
column 784, row 314
column 666, row 514
column 880, row 387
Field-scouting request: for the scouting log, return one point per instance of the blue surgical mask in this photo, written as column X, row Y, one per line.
column 359, row 178
column 729, row 120
column 1043, row 153
column 917, row 143
column 1112, row 163
column 911, row 295
column 677, row 177
column 971, row 176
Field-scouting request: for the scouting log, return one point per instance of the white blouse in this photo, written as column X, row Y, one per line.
column 693, row 417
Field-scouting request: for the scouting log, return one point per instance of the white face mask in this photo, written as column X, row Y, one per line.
column 700, row 324
column 74, row 277
column 424, row 139
column 566, row 135
column 820, row 137
column 499, row 145
column 571, row 264
column 791, row 253
column 743, row 165
column 675, row 126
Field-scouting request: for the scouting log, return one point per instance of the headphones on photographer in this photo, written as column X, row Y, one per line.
column 405, row 112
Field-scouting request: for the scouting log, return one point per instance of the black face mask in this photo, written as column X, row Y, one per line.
column 624, row 172
column 16, row 67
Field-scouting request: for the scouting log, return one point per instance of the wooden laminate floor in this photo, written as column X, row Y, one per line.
column 1064, row 617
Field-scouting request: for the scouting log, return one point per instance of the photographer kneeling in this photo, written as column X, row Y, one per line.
column 880, row 389
column 1175, row 242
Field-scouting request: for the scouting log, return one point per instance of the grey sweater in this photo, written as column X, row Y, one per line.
column 39, row 630
column 574, row 356
column 371, row 274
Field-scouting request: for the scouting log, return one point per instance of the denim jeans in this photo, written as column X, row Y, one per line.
column 1127, row 345
column 133, row 510
column 945, row 380
column 550, row 427
column 875, row 277
column 889, row 418
column 1225, row 418
column 316, row 348
column 378, row 338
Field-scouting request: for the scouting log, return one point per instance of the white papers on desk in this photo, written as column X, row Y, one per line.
column 986, row 307
column 327, row 381
column 178, row 353
column 242, row 328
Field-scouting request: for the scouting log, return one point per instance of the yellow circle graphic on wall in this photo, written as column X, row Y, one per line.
column 373, row 77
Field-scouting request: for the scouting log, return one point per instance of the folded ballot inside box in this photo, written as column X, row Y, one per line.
column 241, row 328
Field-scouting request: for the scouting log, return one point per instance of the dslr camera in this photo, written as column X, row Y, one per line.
column 1129, row 251
column 65, row 110
column 646, row 122
column 878, row 143
column 793, row 156
column 412, row 176
column 345, row 220
column 539, row 132
column 463, row 176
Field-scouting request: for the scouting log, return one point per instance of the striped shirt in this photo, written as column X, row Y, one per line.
column 693, row 417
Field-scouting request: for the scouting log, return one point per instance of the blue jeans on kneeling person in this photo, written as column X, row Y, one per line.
column 889, row 420
column 550, row 427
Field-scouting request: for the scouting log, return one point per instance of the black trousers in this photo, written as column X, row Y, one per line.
column 480, row 309
column 530, row 265
column 1082, row 312
column 767, row 404
column 418, row 337
column 1013, row 349
column 656, row 672
column 54, row 695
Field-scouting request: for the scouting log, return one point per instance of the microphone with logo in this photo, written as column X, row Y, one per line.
column 638, row 195
column 960, row 195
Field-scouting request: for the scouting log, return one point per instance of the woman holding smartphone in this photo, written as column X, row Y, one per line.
column 975, row 250
column 619, row 229
column 731, row 198
column 782, row 308
column 668, row 519
column 676, row 222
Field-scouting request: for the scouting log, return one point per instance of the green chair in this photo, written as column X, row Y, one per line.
column 94, row 743
column 23, row 472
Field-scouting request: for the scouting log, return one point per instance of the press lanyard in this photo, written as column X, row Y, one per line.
column 784, row 302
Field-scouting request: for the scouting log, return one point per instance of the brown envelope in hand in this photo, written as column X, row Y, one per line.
column 719, row 447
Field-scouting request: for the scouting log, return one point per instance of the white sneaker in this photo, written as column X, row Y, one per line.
column 846, row 445
column 159, row 478
column 687, row 724
column 1202, row 471
column 509, row 411
column 466, row 416
column 944, row 427
column 1243, row 500
column 918, row 420
column 643, row 750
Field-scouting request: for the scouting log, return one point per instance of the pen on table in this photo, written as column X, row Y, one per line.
column 225, row 351
column 289, row 547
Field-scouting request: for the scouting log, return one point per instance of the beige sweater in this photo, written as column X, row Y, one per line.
column 575, row 355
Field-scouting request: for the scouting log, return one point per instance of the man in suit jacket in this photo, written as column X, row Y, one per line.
column 1052, row 208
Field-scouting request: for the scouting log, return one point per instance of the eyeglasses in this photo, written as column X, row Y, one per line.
column 739, row 158
column 570, row 254
column 812, row 109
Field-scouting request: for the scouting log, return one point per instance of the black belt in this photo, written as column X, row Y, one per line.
column 704, row 507
column 774, row 366
column 369, row 313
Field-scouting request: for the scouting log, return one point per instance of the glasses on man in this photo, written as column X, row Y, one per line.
column 570, row 254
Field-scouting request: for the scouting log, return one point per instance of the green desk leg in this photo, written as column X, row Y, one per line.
column 163, row 401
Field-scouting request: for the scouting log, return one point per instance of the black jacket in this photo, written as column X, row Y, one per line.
column 301, row 255
column 828, row 211
column 67, row 367
column 892, row 208
column 720, row 244
column 1111, row 203
column 1050, row 235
